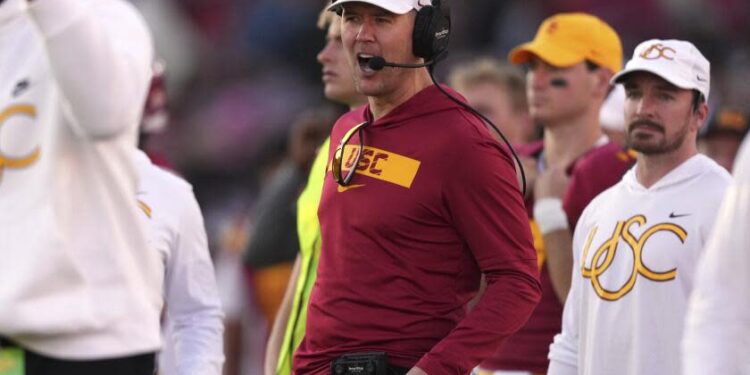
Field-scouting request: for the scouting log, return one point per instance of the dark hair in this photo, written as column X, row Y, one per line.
column 698, row 99
column 591, row 66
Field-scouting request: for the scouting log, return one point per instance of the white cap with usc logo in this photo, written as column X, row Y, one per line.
column 393, row 6
column 678, row 62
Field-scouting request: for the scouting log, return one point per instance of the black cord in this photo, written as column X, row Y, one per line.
column 490, row 123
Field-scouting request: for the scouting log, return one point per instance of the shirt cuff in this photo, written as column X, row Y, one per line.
column 550, row 215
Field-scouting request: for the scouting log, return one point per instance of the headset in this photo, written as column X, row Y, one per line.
column 431, row 34
column 432, row 29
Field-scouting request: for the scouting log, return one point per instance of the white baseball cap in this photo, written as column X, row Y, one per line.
column 393, row 6
column 678, row 62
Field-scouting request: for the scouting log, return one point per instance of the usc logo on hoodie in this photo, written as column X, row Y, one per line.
column 382, row 165
column 23, row 161
column 604, row 256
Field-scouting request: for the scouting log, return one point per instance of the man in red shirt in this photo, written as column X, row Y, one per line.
column 570, row 63
column 419, row 201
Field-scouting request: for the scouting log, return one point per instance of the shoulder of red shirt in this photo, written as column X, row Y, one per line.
column 605, row 156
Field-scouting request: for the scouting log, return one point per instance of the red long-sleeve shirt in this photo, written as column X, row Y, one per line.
column 433, row 204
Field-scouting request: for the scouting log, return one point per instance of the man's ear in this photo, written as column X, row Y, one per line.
column 701, row 115
column 602, row 87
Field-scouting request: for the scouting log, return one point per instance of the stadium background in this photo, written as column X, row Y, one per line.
column 240, row 71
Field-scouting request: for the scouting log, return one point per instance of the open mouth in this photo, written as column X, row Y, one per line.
column 364, row 61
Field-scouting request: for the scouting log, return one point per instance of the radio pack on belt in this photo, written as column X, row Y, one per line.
column 367, row 363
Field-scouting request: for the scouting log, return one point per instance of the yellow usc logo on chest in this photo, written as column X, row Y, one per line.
column 23, row 161
column 604, row 255
column 382, row 165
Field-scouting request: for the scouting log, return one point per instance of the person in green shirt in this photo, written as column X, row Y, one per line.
column 289, row 325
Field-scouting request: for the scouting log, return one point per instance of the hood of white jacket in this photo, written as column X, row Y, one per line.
column 690, row 168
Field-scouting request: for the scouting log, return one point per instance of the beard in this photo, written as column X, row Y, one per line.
column 650, row 144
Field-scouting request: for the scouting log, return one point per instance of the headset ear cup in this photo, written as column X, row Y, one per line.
column 431, row 30
column 421, row 38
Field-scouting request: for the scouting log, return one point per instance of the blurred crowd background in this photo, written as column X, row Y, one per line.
column 242, row 76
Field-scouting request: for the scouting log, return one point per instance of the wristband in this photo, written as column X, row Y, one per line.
column 549, row 215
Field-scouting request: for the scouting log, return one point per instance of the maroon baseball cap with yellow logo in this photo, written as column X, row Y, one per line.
column 567, row 39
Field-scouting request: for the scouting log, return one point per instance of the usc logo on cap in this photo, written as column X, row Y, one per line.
column 658, row 51
column 605, row 254
column 552, row 28
column 23, row 161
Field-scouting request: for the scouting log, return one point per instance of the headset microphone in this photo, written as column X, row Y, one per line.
column 378, row 63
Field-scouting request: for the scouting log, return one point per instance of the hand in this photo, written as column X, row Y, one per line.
column 551, row 184
column 416, row 371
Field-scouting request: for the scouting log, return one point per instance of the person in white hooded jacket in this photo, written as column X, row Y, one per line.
column 79, row 287
column 192, row 323
column 637, row 244
column 717, row 333
column 192, row 327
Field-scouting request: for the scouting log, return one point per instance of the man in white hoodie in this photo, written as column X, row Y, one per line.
column 717, row 332
column 636, row 245
column 79, row 287
column 192, row 326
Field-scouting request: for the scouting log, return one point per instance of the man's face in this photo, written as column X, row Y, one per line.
column 337, row 73
column 369, row 31
column 659, row 116
column 557, row 94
